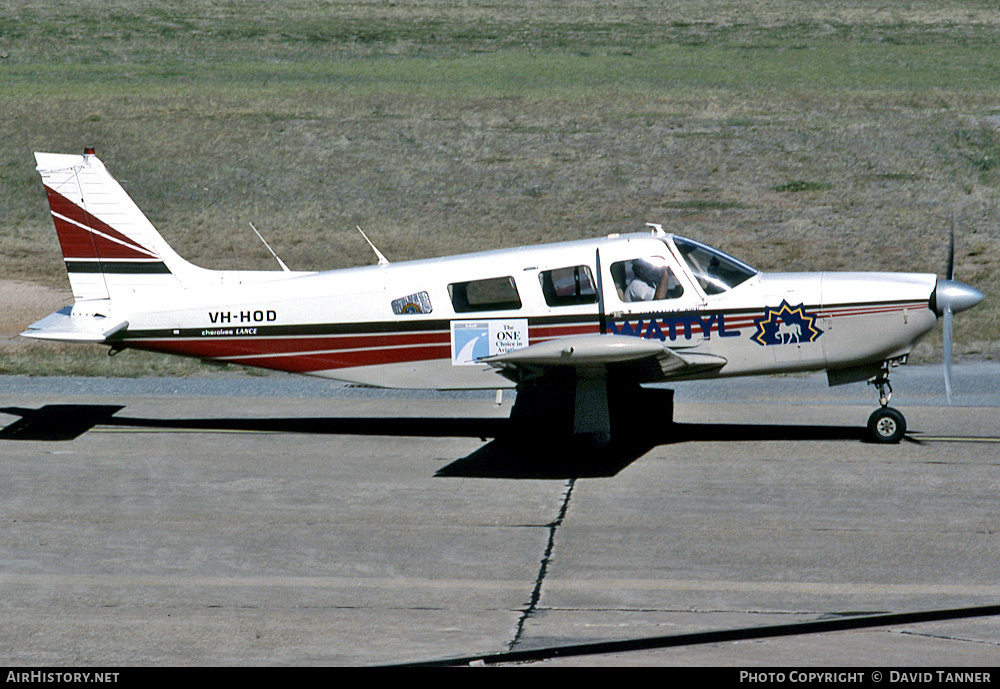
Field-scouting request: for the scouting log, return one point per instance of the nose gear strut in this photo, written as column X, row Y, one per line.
column 881, row 383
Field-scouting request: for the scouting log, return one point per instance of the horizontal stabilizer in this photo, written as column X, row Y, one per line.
column 63, row 326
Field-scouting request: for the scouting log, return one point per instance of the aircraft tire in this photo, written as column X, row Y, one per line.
column 886, row 425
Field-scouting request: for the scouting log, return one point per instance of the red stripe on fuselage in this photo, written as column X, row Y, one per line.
column 541, row 333
column 227, row 347
column 300, row 356
column 308, row 353
column 321, row 361
column 867, row 310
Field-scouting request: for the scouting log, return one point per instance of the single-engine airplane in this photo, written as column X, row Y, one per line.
column 576, row 327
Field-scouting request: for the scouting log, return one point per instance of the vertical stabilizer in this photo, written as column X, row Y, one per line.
column 108, row 244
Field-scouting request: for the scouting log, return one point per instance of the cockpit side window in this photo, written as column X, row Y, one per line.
column 645, row 279
column 715, row 271
column 568, row 286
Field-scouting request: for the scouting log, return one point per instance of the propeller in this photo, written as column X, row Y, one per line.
column 949, row 314
column 951, row 296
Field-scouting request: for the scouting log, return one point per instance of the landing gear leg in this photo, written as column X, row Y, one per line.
column 885, row 425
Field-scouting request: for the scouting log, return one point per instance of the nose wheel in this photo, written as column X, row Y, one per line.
column 885, row 425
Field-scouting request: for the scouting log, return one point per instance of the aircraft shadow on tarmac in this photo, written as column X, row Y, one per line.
column 513, row 453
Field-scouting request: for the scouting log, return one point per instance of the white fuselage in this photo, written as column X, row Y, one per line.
column 425, row 324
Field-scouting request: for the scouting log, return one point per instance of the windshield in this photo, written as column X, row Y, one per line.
column 715, row 271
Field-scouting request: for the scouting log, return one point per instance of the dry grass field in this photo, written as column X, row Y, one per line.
column 819, row 134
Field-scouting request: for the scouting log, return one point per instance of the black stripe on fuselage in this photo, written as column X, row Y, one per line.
column 444, row 325
column 321, row 329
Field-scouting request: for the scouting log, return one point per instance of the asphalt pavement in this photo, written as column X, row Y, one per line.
column 249, row 520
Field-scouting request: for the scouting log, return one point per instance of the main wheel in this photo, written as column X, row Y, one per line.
column 886, row 425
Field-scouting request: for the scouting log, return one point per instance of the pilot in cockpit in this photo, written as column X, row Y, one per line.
column 646, row 277
column 651, row 281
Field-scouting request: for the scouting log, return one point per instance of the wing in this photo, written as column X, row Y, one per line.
column 634, row 357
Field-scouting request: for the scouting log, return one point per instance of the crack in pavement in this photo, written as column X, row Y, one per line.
column 536, row 593
column 944, row 637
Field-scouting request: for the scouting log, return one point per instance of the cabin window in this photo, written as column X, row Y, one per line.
column 715, row 271
column 568, row 286
column 645, row 279
column 492, row 294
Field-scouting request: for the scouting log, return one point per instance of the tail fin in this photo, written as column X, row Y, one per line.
column 108, row 244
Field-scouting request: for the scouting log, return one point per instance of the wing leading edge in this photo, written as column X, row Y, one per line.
column 648, row 360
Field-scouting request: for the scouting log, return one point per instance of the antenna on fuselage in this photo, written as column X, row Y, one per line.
column 382, row 260
column 261, row 238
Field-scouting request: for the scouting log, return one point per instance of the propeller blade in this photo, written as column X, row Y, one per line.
column 950, row 273
column 946, row 327
column 948, row 313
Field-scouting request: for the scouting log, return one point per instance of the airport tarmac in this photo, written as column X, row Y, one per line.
column 243, row 520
